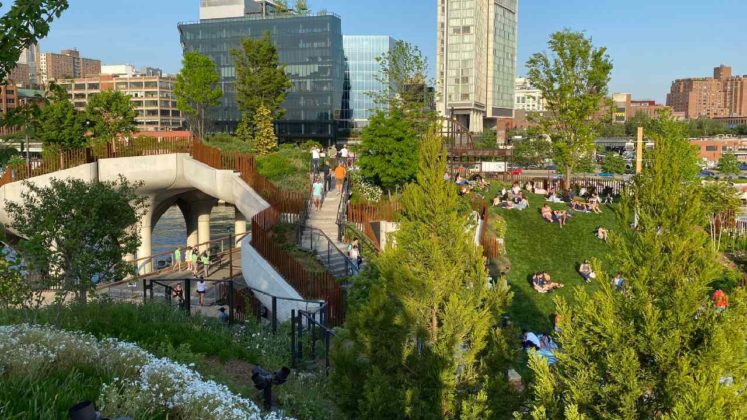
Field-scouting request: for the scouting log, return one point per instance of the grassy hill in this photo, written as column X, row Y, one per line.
column 534, row 245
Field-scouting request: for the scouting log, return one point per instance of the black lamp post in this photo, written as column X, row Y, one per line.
column 230, row 251
column 264, row 380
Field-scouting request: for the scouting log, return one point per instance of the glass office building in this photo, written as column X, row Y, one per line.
column 361, row 52
column 311, row 49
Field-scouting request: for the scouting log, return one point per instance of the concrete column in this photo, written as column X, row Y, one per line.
column 202, row 210
column 239, row 226
column 145, row 249
column 190, row 221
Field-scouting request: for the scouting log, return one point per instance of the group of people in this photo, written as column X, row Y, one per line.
column 542, row 282
column 322, row 183
column 341, row 156
column 177, row 292
column 193, row 258
column 541, row 343
column 477, row 182
column 591, row 205
column 512, row 199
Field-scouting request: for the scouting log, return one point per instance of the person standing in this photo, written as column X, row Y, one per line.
column 188, row 257
column 201, row 290
column 327, row 177
column 177, row 265
column 315, row 159
column 344, row 154
column 340, row 172
column 194, row 262
column 205, row 259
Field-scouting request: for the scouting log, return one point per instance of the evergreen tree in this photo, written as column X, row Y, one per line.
column 658, row 348
column 60, row 125
column 422, row 342
column 244, row 129
column 260, row 78
column 302, row 7
column 265, row 141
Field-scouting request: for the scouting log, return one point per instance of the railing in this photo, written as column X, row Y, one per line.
column 316, row 329
column 328, row 253
column 363, row 214
column 547, row 182
column 342, row 208
column 309, row 284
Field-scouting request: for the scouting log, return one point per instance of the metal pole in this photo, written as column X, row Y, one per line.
column 188, row 296
column 274, row 315
column 231, row 302
column 145, row 292
column 230, row 256
column 293, row 338
column 639, row 152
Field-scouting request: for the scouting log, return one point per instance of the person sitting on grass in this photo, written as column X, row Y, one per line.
column 618, row 280
column 560, row 216
column 522, row 204
column 547, row 213
column 602, row 233
column 578, row 205
column 542, row 283
column 515, row 188
column 553, row 197
column 594, row 204
column 586, row 271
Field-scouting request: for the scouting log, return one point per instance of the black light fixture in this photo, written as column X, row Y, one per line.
column 264, row 380
column 85, row 410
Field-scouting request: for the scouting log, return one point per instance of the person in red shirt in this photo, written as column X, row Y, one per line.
column 720, row 300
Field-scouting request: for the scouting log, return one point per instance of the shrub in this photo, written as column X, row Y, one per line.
column 274, row 166
column 310, row 144
column 364, row 190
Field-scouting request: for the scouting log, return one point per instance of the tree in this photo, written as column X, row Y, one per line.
column 729, row 164
column 265, row 141
column 531, row 151
column 420, row 336
column 389, row 147
column 111, row 114
column 260, row 78
column 404, row 69
column 614, row 164
column 658, row 348
column 244, row 129
column 721, row 203
column 196, row 90
column 76, row 232
column 573, row 81
column 281, row 7
column 302, row 7
column 640, row 119
column 26, row 22
column 60, row 125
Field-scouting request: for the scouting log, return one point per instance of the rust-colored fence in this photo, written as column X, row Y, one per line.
column 309, row 284
column 363, row 214
column 53, row 162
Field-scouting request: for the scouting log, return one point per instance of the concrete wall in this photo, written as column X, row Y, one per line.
column 260, row 275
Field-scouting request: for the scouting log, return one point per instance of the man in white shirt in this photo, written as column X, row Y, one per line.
column 315, row 159
column 344, row 154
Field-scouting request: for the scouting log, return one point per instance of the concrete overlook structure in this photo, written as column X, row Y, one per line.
column 179, row 179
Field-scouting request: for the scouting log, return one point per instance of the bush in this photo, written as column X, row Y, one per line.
column 310, row 144
column 274, row 166
column 363, row 190
column 498, row 225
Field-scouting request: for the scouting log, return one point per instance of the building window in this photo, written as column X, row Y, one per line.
column 711, row 148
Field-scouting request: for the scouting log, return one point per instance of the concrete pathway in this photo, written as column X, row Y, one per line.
column 325, row 220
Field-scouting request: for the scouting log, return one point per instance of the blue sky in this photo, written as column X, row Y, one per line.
column 651, row 42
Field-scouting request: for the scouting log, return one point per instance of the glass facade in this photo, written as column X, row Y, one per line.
column 504, row 51
column 361, row 52
column 311, row 49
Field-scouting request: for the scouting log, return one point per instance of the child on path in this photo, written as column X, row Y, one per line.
column 206, row 262
column 177, row 260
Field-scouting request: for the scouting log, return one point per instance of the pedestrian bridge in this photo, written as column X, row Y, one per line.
column 193, row 177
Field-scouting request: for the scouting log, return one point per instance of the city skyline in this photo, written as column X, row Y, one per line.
column 651, row 43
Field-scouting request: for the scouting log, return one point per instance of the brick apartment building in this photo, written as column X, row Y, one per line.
column 8, row 101
column 66, row 65
column 723, row 95
column 152, row 97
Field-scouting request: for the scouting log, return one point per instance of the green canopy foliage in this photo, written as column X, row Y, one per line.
column 728, row 164
column 614, row 164
column 75, row 232
column 25, row 23
column 260, row 78
column 110, row 113
column 389, row 146
column 264, row 141
column 196, row 90
column 573, row 79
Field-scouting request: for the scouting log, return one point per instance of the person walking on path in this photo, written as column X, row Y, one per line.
column 201, row 290
column 188, row 257
column 316, row 193
column 315, row 159
column 205, row 259
column 340, row 172
column 344, row 154
column 177, row 266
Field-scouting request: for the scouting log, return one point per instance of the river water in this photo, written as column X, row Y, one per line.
column 171, row 231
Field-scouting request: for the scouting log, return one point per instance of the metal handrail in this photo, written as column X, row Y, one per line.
column 342, row 209
column 350, row 267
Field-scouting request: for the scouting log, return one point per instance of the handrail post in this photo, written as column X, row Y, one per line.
column 231, row 302
column 188, row 296
column 145, row 292
column 274, row 315
column 293, row 338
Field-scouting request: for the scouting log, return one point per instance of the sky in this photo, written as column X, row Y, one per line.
column 651, row 42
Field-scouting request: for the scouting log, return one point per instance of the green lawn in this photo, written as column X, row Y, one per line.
column 535, row 245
